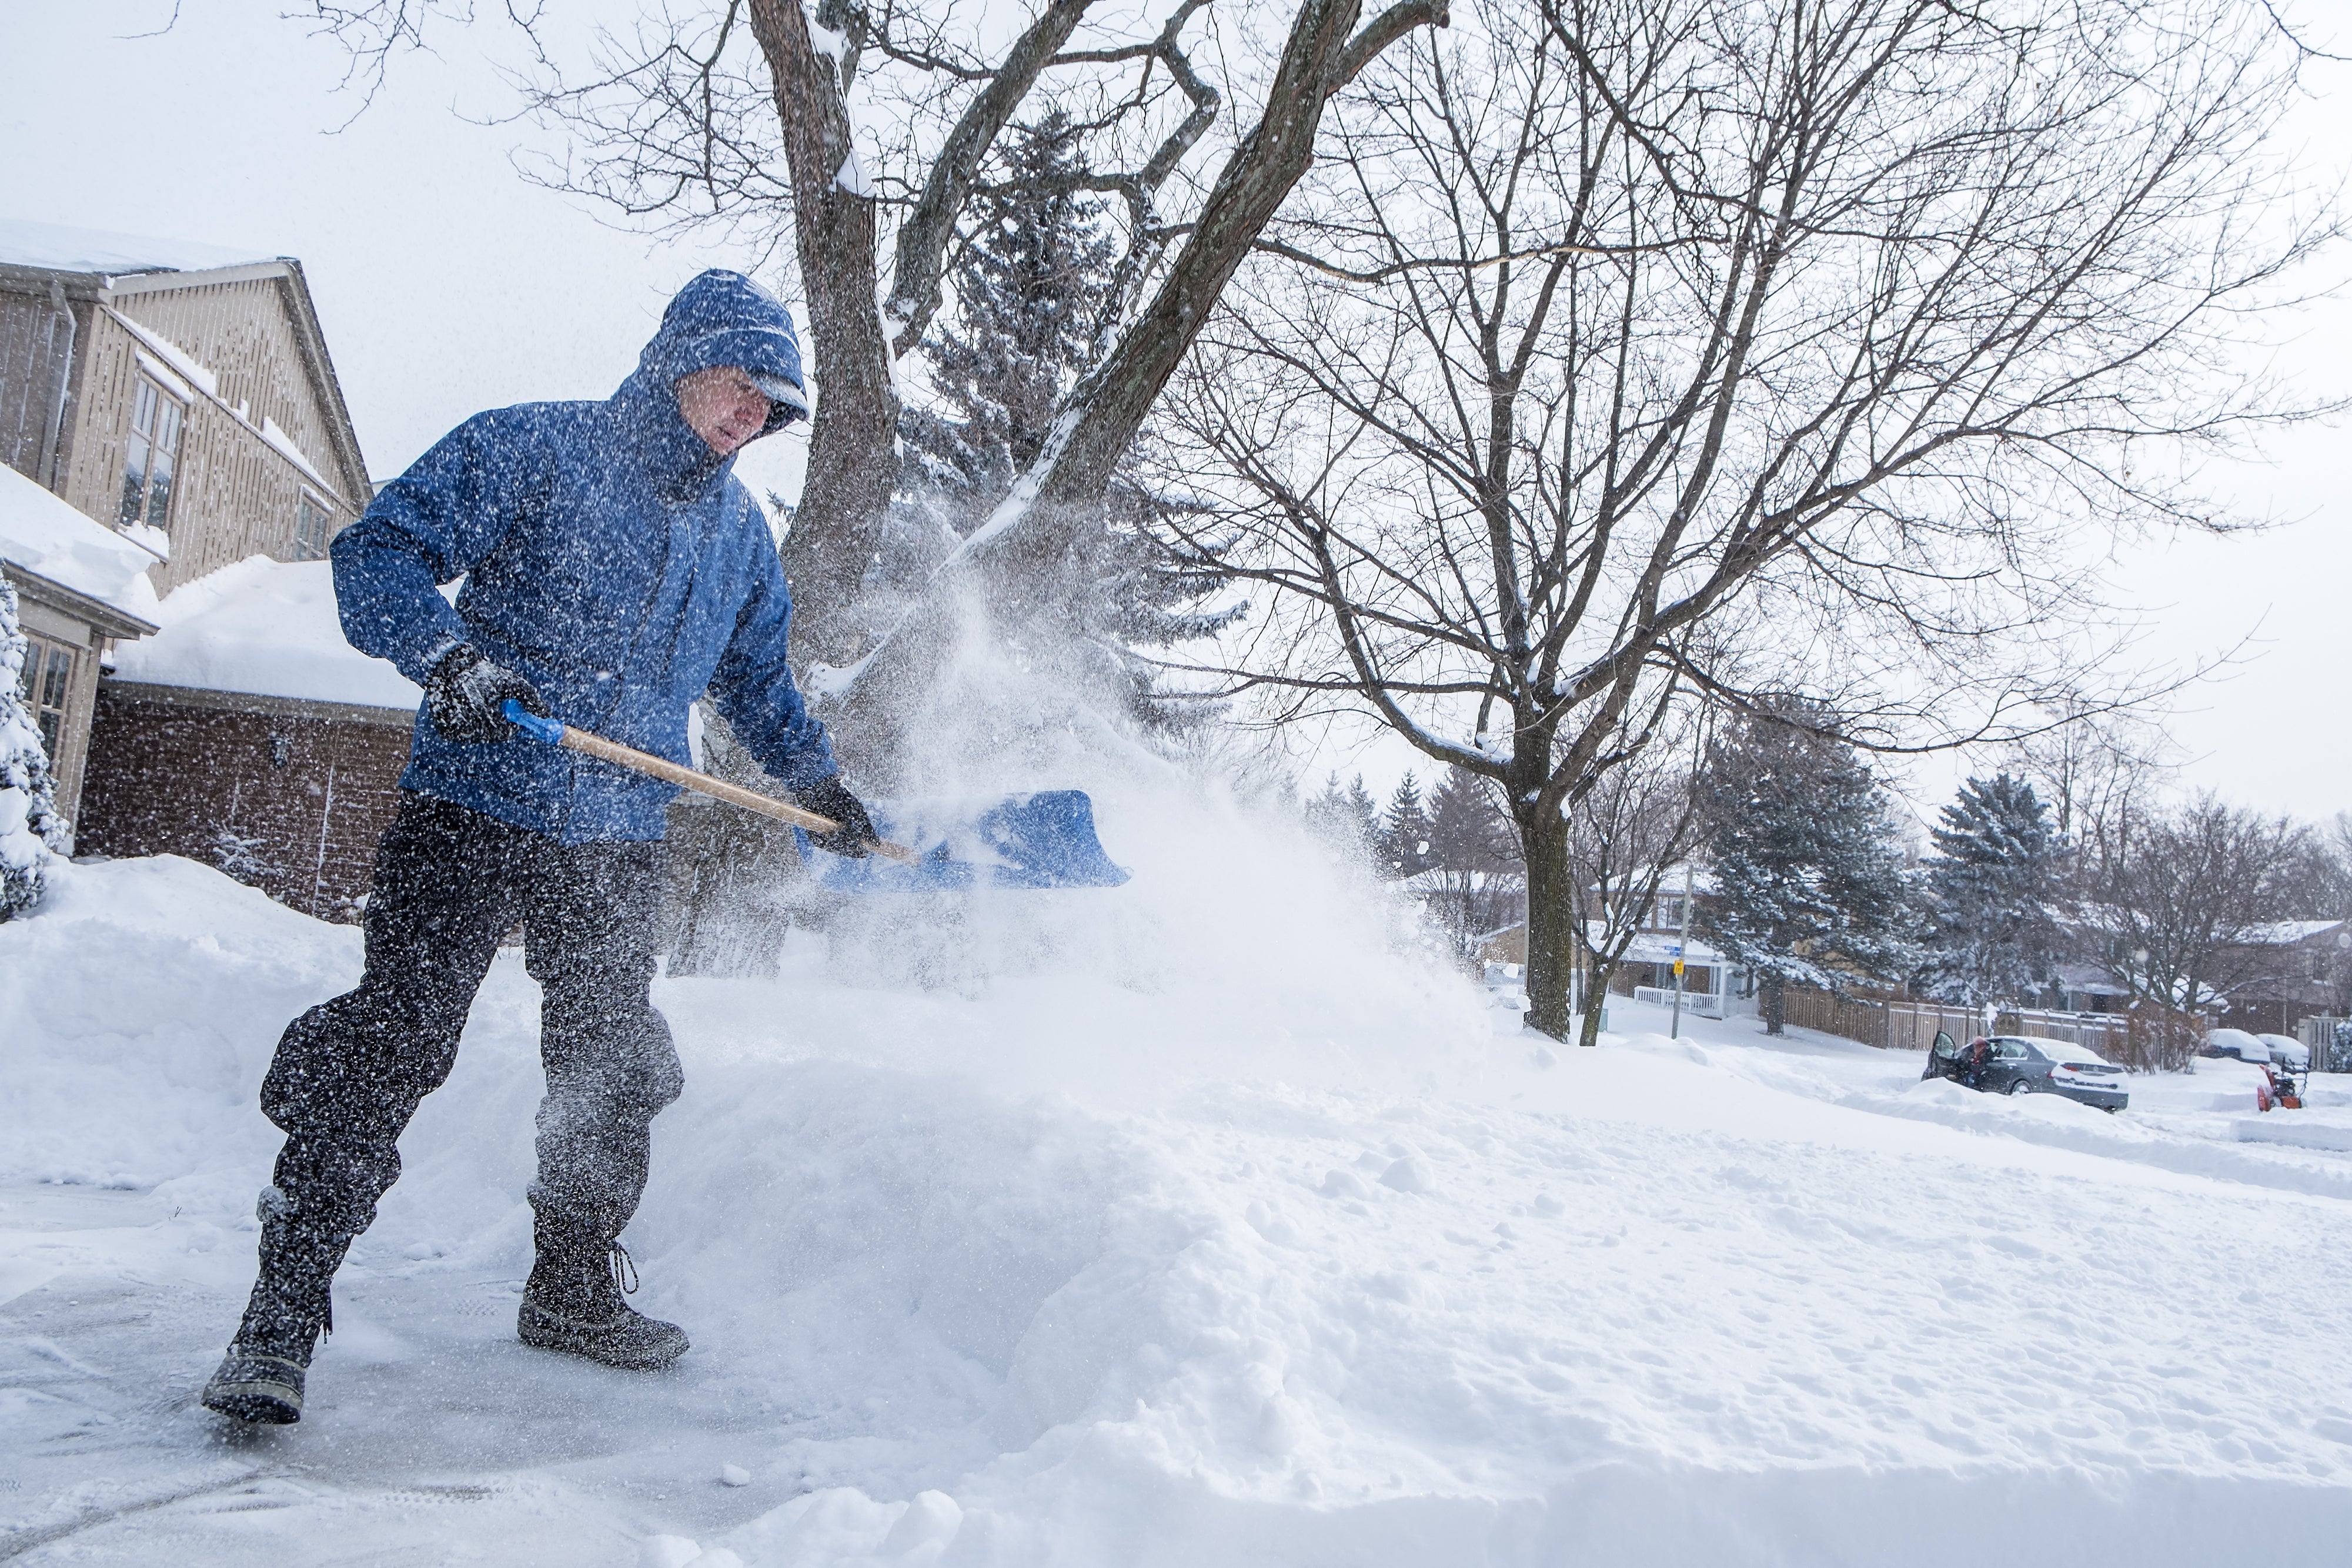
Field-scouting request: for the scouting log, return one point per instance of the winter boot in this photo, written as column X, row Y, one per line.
column 254, row 1385
column 572, row 1303
column 260, row 1380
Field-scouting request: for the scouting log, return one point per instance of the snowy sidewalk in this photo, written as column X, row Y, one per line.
column 1254, row 1268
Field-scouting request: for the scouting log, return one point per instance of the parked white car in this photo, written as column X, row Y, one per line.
column 2235, row 1042
column 2287, row 1050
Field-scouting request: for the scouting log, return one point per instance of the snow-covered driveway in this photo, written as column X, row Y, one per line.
column 1163, row 1268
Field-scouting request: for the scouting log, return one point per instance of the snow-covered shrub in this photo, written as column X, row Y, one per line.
column 31, row 831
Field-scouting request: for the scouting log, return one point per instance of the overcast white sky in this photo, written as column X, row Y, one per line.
column 446, row 283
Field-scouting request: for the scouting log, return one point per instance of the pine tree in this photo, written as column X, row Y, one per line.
column 31, row 831
column 1990, row 936
column 1030, row 288
column 1474, row 880
column 1807, row 866
column 1346, row 819
column 1467, row 830
column 1404, row 842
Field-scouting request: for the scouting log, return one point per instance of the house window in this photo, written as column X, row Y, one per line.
column 46, row 680
column 150, row 455
column 310, row 529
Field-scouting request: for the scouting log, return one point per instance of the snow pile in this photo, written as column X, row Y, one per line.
column 268, row 627
column 1278, row 1252
column 41, row 533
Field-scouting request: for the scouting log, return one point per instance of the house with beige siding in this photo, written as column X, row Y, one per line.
column 177, row 404
column 174, row 392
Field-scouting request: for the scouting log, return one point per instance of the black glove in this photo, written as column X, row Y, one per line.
column 829, row 798
column 466, row 695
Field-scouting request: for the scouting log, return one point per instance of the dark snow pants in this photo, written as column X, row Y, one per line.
column 349, row 1074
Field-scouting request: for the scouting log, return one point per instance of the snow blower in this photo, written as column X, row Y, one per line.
column 1044, row 840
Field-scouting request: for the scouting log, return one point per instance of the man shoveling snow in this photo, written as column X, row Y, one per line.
column 614, row 572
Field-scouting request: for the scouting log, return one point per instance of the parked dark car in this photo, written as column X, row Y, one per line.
column 2030, row 1064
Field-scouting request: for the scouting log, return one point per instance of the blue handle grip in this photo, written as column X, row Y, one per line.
column 547, row 729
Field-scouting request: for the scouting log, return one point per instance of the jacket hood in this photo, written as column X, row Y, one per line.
column 725, row 319
column 718, row 318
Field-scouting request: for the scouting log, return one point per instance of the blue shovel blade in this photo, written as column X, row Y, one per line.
column 1041, row 840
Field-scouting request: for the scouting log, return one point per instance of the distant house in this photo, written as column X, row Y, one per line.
column 246, row 733
column 179, row 394
column 80, row 586
column 2088, row 988
column 2287, row 970
column 1712, row 985
column 169, row 413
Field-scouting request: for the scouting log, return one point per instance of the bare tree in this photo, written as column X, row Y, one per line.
column 2102, row 771
column 1624, row 343
column 885, row 122
column 2186, row 902
column 1638, row 825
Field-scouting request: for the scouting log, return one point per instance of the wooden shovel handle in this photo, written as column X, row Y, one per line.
column 645, row 762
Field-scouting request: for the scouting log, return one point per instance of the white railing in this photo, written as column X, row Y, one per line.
column 1704, row 1004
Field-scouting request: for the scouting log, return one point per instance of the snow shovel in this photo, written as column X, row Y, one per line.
column 557, row 733
column 1044, row 840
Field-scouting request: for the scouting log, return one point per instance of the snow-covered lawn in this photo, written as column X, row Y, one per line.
column 1206, row 1244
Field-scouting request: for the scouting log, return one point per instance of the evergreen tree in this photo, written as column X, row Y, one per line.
column 1348, row 819
column 1991, row 936
column 1468, row 833
column 1403, row 841
column 31, row 831
column 1030, row 288
column 1474, row 880
column 1807, row 866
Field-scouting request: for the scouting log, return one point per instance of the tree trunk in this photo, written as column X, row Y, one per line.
column 1772, row 1001
column 853, row 453
column 730, row 875
column 1596, row 997
column 1552, row 945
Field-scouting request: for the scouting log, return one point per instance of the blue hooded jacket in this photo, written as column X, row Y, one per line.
column 610, row 559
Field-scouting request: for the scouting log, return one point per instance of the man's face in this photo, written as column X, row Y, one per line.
column 723, row 406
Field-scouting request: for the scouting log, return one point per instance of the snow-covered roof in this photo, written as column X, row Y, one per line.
column 2090, row 981
column 2286, row 932
column 55, row 247
column 267, row 628
column 1701, row 881
column 40, row 533
column 1658, row 947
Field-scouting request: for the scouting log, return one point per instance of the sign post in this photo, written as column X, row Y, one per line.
column 1681, row 942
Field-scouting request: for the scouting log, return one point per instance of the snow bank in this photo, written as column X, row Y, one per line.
column 1173, row 1266
column 263, row 626
column 41, row 533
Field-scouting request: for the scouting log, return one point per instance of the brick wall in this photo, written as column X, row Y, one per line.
column 289, row 796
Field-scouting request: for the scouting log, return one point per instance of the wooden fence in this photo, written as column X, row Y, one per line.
column 2146, row 1038
column 1851, row 1017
